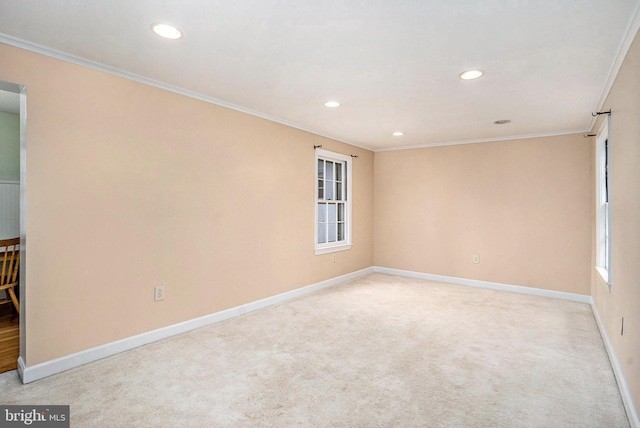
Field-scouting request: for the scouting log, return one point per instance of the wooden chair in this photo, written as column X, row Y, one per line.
column 10, row 260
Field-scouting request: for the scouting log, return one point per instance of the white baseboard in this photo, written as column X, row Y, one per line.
column 625, row 392
column 580, row 298
column 48, row 368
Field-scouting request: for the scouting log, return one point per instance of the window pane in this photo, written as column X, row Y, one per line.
column 329, row 187
column 340, row 231
column 344, row 184
column 333, row 217
column 322, row 213
column 320, row 189
column 329, row 170
column 322, row 233
column 338, row 171
column 320, row 169
column 340, row 212
column 332, row 232
column 606, row 170
column 338, row 191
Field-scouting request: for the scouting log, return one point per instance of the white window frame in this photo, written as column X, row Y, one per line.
column 345, row 244
column 603, row 202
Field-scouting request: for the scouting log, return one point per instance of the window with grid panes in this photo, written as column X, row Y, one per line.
column 333, row 202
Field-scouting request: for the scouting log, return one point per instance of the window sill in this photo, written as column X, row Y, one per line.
column 604, row 275
column 333, row 249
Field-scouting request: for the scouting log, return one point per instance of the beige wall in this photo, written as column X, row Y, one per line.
column 129, row 186
column 522, row 206
column 624, row 176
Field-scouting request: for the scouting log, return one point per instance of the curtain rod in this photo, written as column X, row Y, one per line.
column 319, row 146
column 601, row 112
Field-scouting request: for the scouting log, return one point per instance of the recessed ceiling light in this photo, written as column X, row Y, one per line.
column 502, row 122
column 398, row 134
column 332, row 104
column 471, row 74
column 167, row 31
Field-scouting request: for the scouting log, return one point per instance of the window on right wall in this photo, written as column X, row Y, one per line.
column 603, row 193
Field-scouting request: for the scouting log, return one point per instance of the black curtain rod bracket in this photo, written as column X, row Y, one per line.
column 319, row 146
column 598, row 113
column 354, row 156
column 589, row 135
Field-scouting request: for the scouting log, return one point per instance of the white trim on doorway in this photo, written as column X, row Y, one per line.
column 21, row 90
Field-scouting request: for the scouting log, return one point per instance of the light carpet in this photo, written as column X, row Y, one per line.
column 379, row 351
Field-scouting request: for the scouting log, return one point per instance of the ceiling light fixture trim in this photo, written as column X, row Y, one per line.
column 471, row 74
column 166, row 31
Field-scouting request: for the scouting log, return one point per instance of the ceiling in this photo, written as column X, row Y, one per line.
column 393, row 65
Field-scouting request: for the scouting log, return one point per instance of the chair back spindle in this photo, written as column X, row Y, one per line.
column 10, row 258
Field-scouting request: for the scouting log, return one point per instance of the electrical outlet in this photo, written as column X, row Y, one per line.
column 622, row 327
column 476, row 258
column 158, row 293
column 333, row 257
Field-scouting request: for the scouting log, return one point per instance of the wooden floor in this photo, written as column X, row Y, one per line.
column 9, row 338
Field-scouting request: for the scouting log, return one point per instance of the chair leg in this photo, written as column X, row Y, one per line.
column 14, row 299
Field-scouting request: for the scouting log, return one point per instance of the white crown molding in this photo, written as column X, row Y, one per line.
column 630, row 34
column 52, row 53
column 58, row 365
column 484, row 140
column 629, row 37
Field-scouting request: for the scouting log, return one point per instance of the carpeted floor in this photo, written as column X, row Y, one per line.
column 380, row 351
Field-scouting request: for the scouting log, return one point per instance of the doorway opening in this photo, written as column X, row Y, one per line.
column 12, row 220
